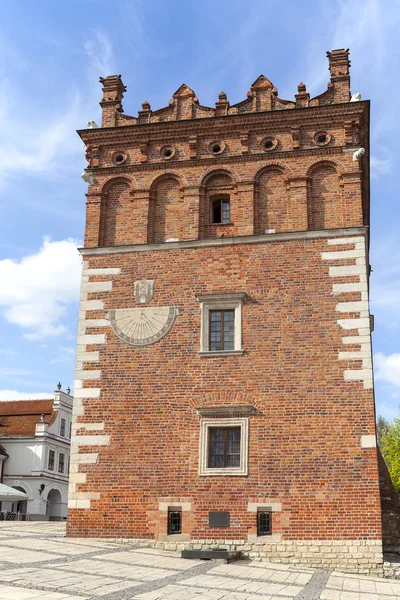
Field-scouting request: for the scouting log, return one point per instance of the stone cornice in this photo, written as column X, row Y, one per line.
column 227, row 241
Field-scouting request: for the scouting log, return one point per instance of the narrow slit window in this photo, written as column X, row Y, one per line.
column 62, row 427
column 224, row 447
column 174, row 521
column 222, row 330
column 264, row 522
column 221, row 210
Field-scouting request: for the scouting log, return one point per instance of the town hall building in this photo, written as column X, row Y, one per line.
column 224, row 386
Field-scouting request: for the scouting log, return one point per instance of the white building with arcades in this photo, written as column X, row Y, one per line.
column 35, row 439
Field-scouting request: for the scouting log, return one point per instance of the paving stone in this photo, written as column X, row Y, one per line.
column 86, row 569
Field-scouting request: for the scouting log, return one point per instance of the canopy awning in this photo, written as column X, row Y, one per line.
column 10, row 494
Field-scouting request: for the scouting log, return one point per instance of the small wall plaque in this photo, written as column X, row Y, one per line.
column 219, row 519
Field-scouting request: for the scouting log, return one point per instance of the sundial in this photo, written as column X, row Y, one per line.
column 143, row 326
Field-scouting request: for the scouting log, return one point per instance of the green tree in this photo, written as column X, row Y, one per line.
column 389, row 444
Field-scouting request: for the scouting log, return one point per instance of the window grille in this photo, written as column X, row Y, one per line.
column 174, row 521
column 264, row 522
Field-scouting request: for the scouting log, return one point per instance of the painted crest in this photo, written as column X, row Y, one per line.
column 144, row 290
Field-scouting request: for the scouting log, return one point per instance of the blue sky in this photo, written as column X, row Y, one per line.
column 51, row 56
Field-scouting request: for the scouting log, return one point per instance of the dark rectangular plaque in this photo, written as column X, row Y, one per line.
column 219, row 519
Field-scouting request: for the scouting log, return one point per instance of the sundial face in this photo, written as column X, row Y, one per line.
column 142, row 326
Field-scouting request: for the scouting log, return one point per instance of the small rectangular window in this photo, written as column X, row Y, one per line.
column 174, row 521
column 221, row 210
column 224, row 447
column 62, row 428
column 264, row 522
column 51, row 460
column 222, row 330
column 70, row 429
column 61, row 460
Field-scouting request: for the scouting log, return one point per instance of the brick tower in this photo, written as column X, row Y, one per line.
column 224, row 390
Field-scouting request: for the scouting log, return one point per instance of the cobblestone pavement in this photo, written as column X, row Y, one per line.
column 37, row 561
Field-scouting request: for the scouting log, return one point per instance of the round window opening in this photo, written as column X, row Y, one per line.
column 322, row 138
column 119, row 158
column 269, row 143
column 167, row 152
column 216, row 147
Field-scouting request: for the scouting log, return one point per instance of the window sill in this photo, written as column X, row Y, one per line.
column 222, row 224
column 211, row 354
column 228, row 472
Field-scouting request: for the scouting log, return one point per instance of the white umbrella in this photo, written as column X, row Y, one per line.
column 9, row 494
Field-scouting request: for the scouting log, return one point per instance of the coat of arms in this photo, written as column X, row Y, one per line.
column 144, row 290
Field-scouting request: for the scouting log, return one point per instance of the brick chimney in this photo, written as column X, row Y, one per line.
column 339, row 67
column 111, row 103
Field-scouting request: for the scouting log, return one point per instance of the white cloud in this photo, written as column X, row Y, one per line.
column 387, row 369
column 100, row 51
column 66, row 354
column 380, row 166
column 385, row 282
column 37, row 290
column 37, row 145
column 14, row 395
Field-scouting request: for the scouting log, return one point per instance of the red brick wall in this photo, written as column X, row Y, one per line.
column 116, row 226
column 305, row 447
column 273, row 204
column 325, row 201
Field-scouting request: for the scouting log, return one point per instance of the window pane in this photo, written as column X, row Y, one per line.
column 215, row 342
column 229, row 329
column 226, row 211
column 224, row 447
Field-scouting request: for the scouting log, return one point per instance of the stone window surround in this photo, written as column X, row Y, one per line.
column 220, row 302
column 274, row 506
column 184, row 507
column 205, row 426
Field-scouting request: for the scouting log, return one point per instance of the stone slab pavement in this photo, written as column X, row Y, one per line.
column 38, row 561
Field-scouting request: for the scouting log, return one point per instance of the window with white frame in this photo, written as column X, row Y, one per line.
column 62, row 427
column 52, row 456
column 224, row 446
column 61, row 462
column 221, row 323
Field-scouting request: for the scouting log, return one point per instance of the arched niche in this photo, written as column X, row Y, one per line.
column 217, row 204
column 169, row 217
column 116, row 227
column 325, row 205
column 271, row 200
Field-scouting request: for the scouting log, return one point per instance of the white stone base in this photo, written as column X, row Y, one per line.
column 350, row 556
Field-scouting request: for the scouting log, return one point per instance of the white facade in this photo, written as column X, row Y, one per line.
column 39, row 465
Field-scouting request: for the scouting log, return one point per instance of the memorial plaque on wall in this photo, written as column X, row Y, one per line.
column 219, row 519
